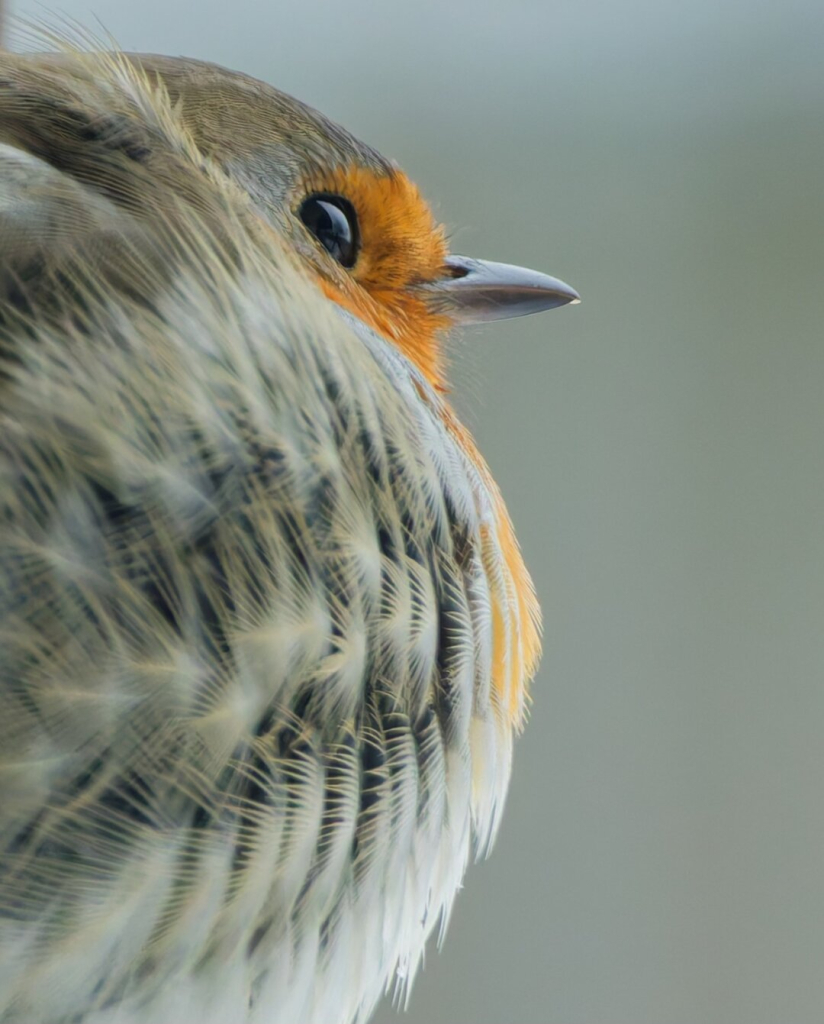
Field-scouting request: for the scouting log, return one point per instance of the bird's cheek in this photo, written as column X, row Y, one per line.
column 403, row 318
column 358, row 302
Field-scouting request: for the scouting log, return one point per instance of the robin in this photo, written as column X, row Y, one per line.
column 266, row 628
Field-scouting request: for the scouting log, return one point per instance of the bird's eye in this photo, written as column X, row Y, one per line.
column 333, row 221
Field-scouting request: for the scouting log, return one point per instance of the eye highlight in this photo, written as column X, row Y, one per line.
column 333, row 221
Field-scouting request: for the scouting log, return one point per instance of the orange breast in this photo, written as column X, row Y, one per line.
column 516, row 614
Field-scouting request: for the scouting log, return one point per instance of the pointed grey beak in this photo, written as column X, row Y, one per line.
column 474, row 291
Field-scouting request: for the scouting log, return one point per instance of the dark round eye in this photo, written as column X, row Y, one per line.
column 333, row 221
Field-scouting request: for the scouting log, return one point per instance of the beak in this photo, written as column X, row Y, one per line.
column 474, row 291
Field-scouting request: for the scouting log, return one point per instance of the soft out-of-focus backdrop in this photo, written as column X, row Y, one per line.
column 661, row 448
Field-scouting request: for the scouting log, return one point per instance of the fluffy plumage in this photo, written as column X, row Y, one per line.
column 254, row 578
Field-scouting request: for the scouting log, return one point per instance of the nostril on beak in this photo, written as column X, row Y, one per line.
column 455, row 270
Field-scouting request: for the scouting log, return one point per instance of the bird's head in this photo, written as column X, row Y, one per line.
column 357, row 220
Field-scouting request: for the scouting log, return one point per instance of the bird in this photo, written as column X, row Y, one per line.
column 266, row 629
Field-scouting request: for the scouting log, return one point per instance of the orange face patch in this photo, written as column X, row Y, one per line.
column 401, row 246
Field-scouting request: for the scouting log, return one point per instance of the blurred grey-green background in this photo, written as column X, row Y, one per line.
column 661, row 447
